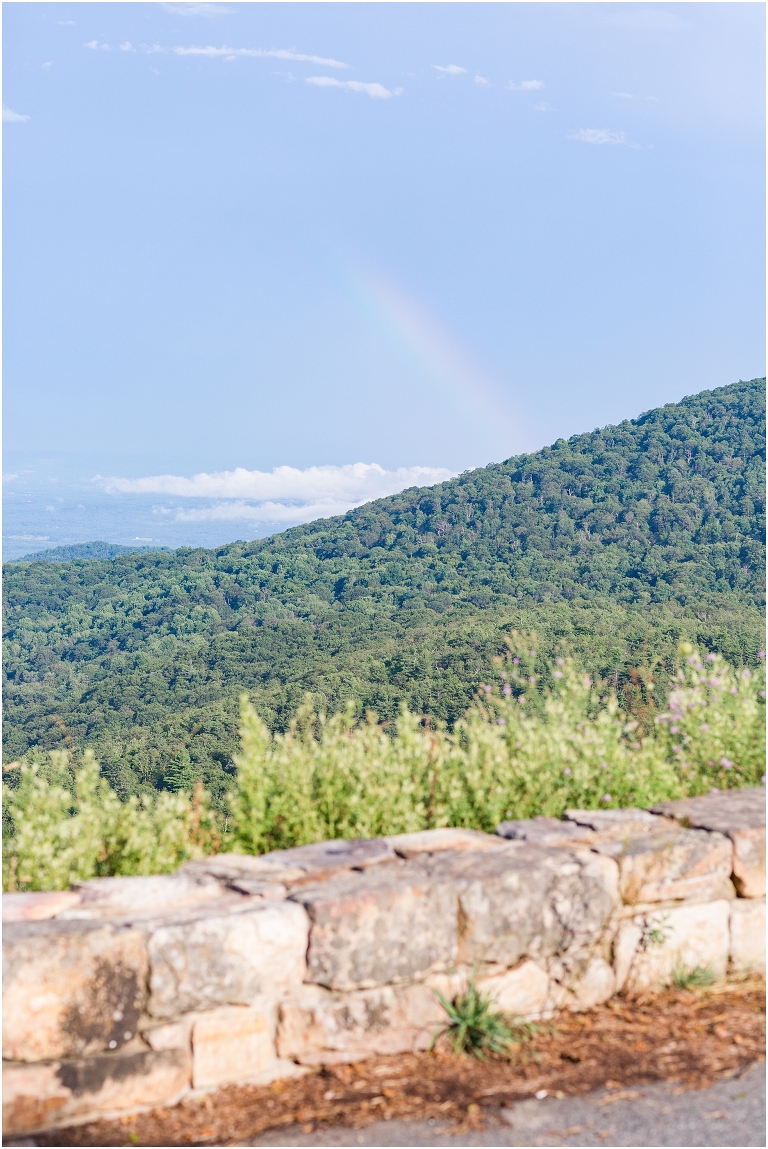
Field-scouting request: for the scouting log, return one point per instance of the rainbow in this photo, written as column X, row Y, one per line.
column 426, row 346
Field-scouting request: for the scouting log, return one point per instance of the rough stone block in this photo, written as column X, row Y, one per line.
column 70, row 988
column 51, row 1094
column 319, row 1027
column 672, row 864
column 435, row 841
column 679, row 939
column 520, row 992
column 541, row 831
column 529, row 901
column 621, row 823
column 659, row 860
column 37, row 906
column 739, row 814
column 232, row 868
column 748, row 934
column 391, row 923
column 233, row 1044
column 303, row 864
column 143, row 897
column 227, row 959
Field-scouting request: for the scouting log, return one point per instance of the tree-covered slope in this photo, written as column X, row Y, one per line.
column 94, row 550
column 618, row 541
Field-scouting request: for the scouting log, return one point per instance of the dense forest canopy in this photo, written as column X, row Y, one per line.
column 616, row 543
column 95, row 550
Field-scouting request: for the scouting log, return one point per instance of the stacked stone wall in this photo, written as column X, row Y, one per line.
column 126, row 993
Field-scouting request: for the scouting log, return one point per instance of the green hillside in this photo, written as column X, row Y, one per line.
column 616, row 543
column 94, row 550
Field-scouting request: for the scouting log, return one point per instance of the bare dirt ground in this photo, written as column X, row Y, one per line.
column 683, row 1037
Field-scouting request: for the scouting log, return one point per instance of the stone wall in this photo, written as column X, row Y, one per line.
column 125, row 993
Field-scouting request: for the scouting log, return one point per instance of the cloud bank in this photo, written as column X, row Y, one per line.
column 375, row 91
column 272, row 53
column 284, row 495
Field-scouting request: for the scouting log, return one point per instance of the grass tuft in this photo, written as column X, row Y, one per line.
column 476, row 1028
column 698, row 977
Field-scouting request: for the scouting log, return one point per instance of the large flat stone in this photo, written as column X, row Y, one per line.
column 436, row 841
column 38, row 905
column 739, row 814
column 723, row 810
column 388, row 924
column 52, row 1094
column 615, row 823
column 529, row 901
column 143, row 897
column 542, row 831
column 300, row 865
column 678, row 939
column 227, row 959
column 70, row 988
column 748, row 935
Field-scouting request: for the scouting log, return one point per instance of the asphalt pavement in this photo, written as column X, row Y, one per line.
column 729, row 1112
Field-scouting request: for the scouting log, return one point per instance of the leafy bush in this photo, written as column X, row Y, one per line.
column 67, row 827
column 524, row 748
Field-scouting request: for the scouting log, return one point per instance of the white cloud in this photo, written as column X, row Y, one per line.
column 47, row 63
column 525, row 85
column 10, row 476
column 284, row 495
column 127, row 47
column 542, row 108
column 598, row 136
column 95, row 45
column 198, row 9
column 623, row 95
column 449, row 69
column 482, row 80
column 262, row 513
column 273, row 53
column 151, row 49
column 10, row 117
column 375, row 91
column 65, row 21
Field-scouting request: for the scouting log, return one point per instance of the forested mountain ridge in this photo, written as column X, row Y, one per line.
column 659, row 519
column 94, row 550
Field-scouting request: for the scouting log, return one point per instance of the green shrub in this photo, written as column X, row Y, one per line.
column 63, row 833
column 522, row 749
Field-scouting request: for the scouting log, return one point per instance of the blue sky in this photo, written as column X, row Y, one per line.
column 420, row 237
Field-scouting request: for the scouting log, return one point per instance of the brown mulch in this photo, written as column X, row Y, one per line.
column 683, row 1036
